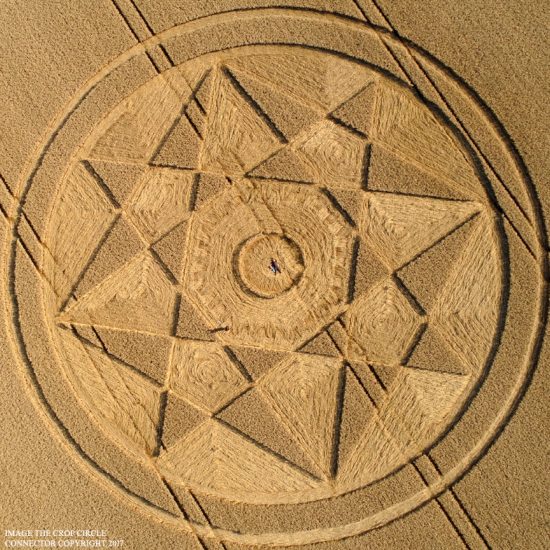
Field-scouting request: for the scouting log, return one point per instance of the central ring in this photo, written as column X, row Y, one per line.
column 268, row 264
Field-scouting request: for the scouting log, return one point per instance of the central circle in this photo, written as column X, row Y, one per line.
column 269, row 264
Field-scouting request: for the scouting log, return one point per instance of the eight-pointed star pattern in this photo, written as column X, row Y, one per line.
column 268, row 293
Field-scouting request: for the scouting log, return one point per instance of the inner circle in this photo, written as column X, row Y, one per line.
column 269, row 264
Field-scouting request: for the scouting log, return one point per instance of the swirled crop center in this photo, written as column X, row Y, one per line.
column 278, row 274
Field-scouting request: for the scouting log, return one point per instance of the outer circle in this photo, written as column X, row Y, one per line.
column 510, row 403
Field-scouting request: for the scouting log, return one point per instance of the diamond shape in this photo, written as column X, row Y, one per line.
column 161, row 200
column 335, row 154
column 204, row 374
column 382, row 323
column 304, row 391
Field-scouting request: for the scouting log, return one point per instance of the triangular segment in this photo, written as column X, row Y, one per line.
column 287, row 114
column 466, row 311
column 433, row 353
column 209, row 186
column 284, row 165
column 419, row 405
column 138, row 296
column 303, row 391
column 216, row 458
column 119, row 178
column 181, row 146
column 321, row 344
column 324, row 81
column 392, row 173
column 252, row 415
column 411, row 131
column 202, row 88
column 180, row 418
column 369, row 270
column 139, row 124
column 425, row 276
column 376, row 454
column 357, row 112
column 124, row 403
column 199, row 78
column 340, row 72
column 258, row 361
column 236, row 137
column 148, row 353
column 171, row 248
column 161, row 201
column 80, row 223
column 190, row 324
column 436, row 393
column 400, row 227
column 334, row 154
column 119, row 245
column 357, row 410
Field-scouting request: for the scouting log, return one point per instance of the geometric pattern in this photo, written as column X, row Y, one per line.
column 232, row 286
column 274, row 290
column 381, row 323
column 113, row 401
column 203, row 374
column 65, row 256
